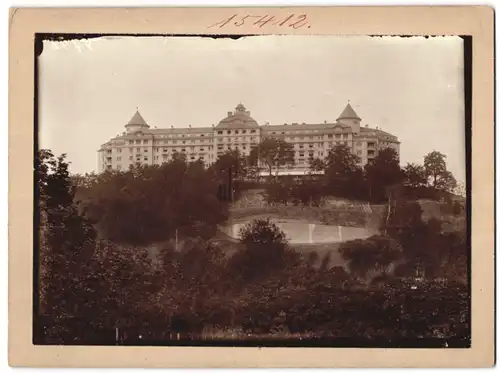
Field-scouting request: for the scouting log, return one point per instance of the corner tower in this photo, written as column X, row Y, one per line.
column 349, row 117
column 136, row 123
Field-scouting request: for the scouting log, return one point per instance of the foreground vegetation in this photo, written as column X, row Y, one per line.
column 110, row 260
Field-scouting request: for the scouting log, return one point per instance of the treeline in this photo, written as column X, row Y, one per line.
column 96, row 279
column 341, row 175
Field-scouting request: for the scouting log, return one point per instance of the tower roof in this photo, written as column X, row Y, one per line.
column 137, row 120
column 240, row 118
column 348, row 113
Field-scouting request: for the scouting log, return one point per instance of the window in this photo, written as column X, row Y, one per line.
column 130, row 157
column 145, row 158
column 183, row 142
column 130, row 142
column 119, row 150
column 244, row 132
column 202, row 134
column 236, row 132
column 219, row 132
column 137, row 142
column 252, row 131
column 330, row 136
column 310, row 145
column 228, row 131
column 145, row 142
column 202, row 149
column 145, row 149
column 118, row 158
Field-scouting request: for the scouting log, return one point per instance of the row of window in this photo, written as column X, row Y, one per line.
column 236, row 132
column 326, row 136
column 331, row 144
column 164, row 142
column 138, row 162
column 237, row 139
column 146, row 141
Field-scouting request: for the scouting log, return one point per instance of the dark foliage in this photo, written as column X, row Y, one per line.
column 90, row 287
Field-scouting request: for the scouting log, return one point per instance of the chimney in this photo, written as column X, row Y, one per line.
column 229, row 114
column 248, row 113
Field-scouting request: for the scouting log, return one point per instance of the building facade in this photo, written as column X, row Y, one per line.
column 142, row 145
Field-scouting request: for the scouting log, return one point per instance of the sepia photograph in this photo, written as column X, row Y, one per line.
column 277, row 190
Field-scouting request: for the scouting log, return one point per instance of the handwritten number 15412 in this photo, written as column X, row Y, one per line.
column 294, row 20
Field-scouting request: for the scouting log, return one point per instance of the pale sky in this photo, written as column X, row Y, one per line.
column 409, row 87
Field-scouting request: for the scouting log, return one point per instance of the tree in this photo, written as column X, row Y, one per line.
column 230, row 169
column 265, row 252
column 435, row 170
column 231, row 160
column 414, row 175
column 343, row 175
column 422, row 241
column 263, row 232
column 374, row 254
column 148, row 204
column 273, row 154
column 66, row 241
column 446, row 182
column 384, row 171
column 307, row 192
column 317, row 165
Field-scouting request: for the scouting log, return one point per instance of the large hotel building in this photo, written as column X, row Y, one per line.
column 142, row 145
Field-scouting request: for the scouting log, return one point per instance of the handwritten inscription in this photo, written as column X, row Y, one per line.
column 295, row 21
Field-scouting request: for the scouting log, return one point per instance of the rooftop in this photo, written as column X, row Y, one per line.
column 348, row 113
column 137, row 120
column 238, row 119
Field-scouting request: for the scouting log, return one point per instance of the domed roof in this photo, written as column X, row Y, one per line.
column 238, row 119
